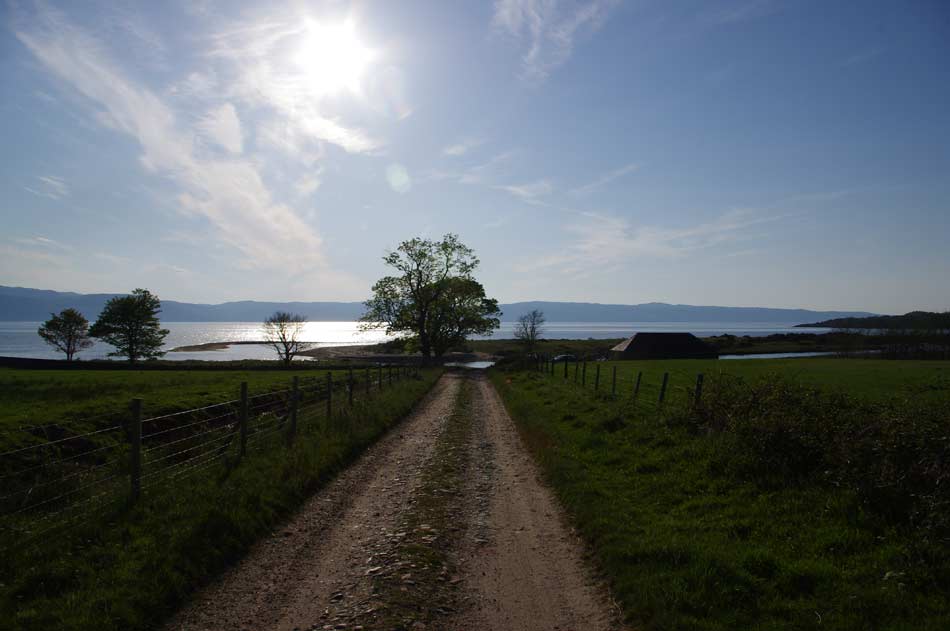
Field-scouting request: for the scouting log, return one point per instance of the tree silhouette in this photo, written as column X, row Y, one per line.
column 281, row 331
column 67, row 331
column 130, row 324
column 433, row 297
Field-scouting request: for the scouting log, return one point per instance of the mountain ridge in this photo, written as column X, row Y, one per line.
column 30, row 305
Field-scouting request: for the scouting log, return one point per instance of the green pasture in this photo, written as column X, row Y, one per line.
column 871, row 379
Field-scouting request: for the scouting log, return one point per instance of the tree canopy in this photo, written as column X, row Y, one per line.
column 67, row 331
column 433, row 297
column 130, row 324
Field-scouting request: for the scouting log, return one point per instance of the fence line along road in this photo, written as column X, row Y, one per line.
column 619, row 385
column 71, row 478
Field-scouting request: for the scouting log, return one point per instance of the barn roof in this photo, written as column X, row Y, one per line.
column 678, row 342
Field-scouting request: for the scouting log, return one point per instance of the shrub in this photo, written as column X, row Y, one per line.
column 894, row 456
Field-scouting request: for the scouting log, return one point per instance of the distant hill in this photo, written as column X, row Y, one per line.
column 31, row 305
column 913, row 321
column 662, row 312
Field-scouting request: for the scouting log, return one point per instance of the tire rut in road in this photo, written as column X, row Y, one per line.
column 523, row 567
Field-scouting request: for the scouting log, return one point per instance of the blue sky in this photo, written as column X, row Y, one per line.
column 749, row 152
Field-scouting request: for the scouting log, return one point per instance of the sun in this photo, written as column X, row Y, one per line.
column 332, row 58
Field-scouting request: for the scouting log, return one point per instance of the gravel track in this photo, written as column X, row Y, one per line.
column 509, row 560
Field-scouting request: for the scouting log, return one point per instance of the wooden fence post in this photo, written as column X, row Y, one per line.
column 577, row 369
column 597, row 378
column 243, row 418
column 367, row 380
column 699, row 390
column 666, row 379
column 584, row 374
column 135, row 437
column 636, row 387
column 351, row 386
column 379, row 375
column 390, row 375
column 565, row 369
column 329, row 394
column 294, row 398
column 613, row 384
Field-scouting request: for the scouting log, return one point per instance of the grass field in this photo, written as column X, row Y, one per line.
column 129, row 568
column 772, row 506
column 38, row 397
column 871, row 379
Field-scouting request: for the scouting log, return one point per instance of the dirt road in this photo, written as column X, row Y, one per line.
column 443, row 524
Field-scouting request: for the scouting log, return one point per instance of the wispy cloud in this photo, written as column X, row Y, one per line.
column 49, row 186
column 550, row 29
column 602, row 241
column 463, row 146
column 530, row 192
column 607, row 178
column 309, row 183
column 481, row 173
column 244, row 54
column 42, row 242
column 740, row 11
column 223, row 126
column 230, row 194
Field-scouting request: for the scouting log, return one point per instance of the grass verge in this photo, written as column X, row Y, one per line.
column 746, row 515
column 132, row 569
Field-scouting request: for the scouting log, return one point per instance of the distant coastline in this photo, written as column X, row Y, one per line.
column 18, row 304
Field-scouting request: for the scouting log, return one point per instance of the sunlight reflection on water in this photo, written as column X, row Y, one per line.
column 19, row 339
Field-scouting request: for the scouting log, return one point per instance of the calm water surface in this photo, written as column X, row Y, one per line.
column 19, row 339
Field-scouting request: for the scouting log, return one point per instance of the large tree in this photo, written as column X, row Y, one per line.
column 67, row 331
column 463, row 310
column 433, row 297
column 282, row 331
column 130, row 324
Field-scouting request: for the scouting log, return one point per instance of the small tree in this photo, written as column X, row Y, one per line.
column 281, row 331
column 130, row 324
column 529, row 328
column 68, row 332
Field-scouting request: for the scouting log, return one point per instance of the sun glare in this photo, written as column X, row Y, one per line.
column 332, row 57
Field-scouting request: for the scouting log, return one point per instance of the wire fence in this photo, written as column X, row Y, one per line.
column 638, row 387
column 69, row 478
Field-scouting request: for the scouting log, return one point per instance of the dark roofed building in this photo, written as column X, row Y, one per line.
column 663, row 346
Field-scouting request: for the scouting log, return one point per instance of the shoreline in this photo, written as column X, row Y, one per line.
column 777, row 345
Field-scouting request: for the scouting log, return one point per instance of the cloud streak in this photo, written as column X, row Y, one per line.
column 246, row 54
column 462, row 147
column 49, row 186
column 223, row 126
column 531, row 192
column 607, row 178
column 228, row 193
column 550, row 29
column 741, row 11
column 604, row 241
